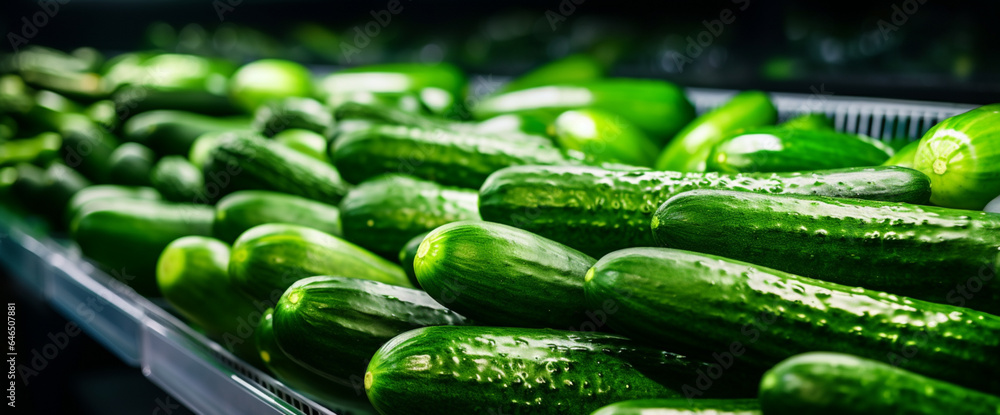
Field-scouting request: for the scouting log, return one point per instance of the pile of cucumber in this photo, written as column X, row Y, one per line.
column 381, row 240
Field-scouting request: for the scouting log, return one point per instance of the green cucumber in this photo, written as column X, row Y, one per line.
column 507, row 123
column 362, row 315
column 657, row 107
column 126, row 236
column 444, row 156
column 131, row 164
column 383, row 213
column 239, row 211
column 250, row 162
column 961, row 155
column 502, row 275
column 604, row 137
column 835, row 384
column 779, row 149
column 599, row 211
column 385, row 114
column 392, row 78
column 45, row 192
column 174, row 132
column 261, row 81
column 918, row 251
column 904, row 157
column 202, row 147
column 408, row 254
column 813, row 121
column 107, row 191
column 192, row 273
column 304, row 380
column 39, row 150
column 305, row 142
column 302, row 113
column 749, row 315
column 465, row 370
column 267, row 259
column 571, row 68
column 177, row 179
column 169, row 81
column 689, row 150
column 682, row 407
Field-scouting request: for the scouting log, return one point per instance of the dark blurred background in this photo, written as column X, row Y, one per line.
column 915, row 49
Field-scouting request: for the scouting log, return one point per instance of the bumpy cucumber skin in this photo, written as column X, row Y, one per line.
column 443, row 156
column 682, row 407
column 502, row 275
column 331, row 393
column 293, row 112
column 961, row 155
column 251, row 162
column 267, row 259
column 923, row 252
column 711, row 303
column 836, row 384
column 193, row 276
column 177, row 179
column 466, row 370
column 689, row 150
column 361, row 315
column 240, row 211
column 598, row 211
column 127, row 236
column 384, row 213
column 904, row 157
column 408, row 254
column 660, row 108
column 778, row 149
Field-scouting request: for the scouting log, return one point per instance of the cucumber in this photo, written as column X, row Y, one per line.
column 202, row 147
column 87, row 147
column 174, row 132
column 752, row 316
column 362, row 315
column 305, row 142
column 45, row 192
column 812, row 121
column 107, row 191
column 39, row 150
column 507, row 123
column 690, row 149
column 385, row 114
column 599, row 211
column 192, row 274
column 306, row 381
column 250, row 162
column 466, row 370
column 392, row 78
column 408, row 254
column 682, row 407
column 170, row 81
column 293, row 112
column 833, row 383
column 961, row 155
column 237, row 212
column 131, row 164
column 382, row 214
column 571, row 68
column 126, row 236
column 657, row 107
column 779, row 149
column 925, row 252
column 904, row 157
column 261, row 81
column 177, row 179
column 267, row 259
column 500, row 275
column 447, row 157
column 604, row 137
